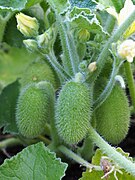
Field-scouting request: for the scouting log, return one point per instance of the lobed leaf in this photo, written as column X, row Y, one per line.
column 83, row 4
column 17, row 5
column 34, row 162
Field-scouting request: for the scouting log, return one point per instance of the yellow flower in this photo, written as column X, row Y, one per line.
column 27, row 25
column 127, row 50
column 128, row 8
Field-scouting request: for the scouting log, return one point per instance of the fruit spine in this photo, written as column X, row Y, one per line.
column 73, row 112
column 32, row 109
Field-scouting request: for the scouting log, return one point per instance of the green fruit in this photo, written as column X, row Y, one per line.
column 40, row 71
column 73, row 112
column 113, row 116
column 32, row 109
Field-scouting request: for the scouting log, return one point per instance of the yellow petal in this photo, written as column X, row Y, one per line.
column 130, row 30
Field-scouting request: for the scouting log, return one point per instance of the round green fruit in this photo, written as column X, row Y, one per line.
column 40, row 71
column 113, row 116
column 73, row 112
column 32, row 109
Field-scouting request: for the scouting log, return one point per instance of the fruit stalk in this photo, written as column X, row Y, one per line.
column 130, row 81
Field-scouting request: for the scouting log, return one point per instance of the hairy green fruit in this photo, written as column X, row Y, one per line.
column 73, row 112
column 40, row 71
column 113, row 116
column 32, row 109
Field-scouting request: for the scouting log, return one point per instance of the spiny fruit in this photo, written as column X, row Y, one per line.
column 32, row 109
column 40, row 71
column 73, row 112
column 113, row 116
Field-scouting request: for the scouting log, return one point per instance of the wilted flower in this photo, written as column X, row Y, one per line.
column 92, row 66
column 127, row 50
column 27, row 25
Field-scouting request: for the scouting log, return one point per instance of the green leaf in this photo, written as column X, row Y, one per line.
column 35, row 162
column 8, row 99
column 59, row 5
column 13, row 62
column 84, row 19
column 83, row 4
column 16, row 5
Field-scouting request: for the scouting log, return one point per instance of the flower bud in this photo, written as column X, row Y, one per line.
column 83, row 35
column 92, row 66
column 31, row 44
column 27, row 25
column 127, row 50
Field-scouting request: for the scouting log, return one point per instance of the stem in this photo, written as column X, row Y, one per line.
column 130, row 81
column 3, row 22
column 109, row 26
column 122, row 161
column 2, row 29
column 9, row 142
column 105, row 52
column 70, row 56
column 58, row 68
column 87, row 150
column 44, row 139
column 108, row 89
column 77, row 158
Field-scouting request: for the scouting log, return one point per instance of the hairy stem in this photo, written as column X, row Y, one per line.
column 77, row 158
column 108, row 89
column 130, row 82
column 9, row 142
column 44, row 139
column 109, row 26
column 2, row 29
column 122, row 161
column 105, row 52
column 58, row 68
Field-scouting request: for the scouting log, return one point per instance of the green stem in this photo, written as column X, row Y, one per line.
column 70, row 56
column 122, row 161
column 44, row 139
column 2, row 29
column 109, row 26
column 105, row 52
column 77, row 158
column 54, row 133
column 87, row 150
column 130, row 82
column 108, row 89
column 9, row 142
column 58, row 68
column 3, row 22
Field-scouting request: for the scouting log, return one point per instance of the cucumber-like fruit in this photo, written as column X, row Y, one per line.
column 113, row 116
column 73, row 112
column 32, row 109
column 37, row 71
